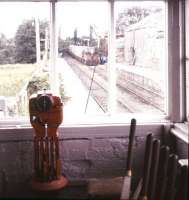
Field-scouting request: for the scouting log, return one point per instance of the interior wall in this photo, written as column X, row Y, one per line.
column 86, row 152
column 180, row 147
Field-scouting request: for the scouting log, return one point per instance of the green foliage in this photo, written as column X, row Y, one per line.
column 130, row 16
column 13, row 77
column 7, row 50
column 38, row 83
column 22, row 48
column 62, row 91
column 25, row 41
column 2, row 41
column 75, row 36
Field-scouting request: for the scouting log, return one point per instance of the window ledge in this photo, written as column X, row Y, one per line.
column 92, row 120
column 181, row 130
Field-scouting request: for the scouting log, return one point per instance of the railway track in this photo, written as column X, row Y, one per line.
column 146, row 95
column 132, row 98
column 99, row 86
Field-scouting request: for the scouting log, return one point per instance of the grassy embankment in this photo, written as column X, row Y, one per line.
column 13, row 77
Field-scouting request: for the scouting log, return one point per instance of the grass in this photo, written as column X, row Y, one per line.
column 13, row 77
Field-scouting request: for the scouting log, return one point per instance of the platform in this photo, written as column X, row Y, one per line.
column 76, row 92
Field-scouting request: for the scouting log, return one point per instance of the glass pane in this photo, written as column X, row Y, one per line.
column 20, row 74
column 141, row 57
column 82, row 62
column 187, row 56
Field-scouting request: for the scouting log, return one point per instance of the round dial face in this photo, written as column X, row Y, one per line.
column 44, row 103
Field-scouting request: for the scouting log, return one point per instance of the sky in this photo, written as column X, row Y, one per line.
column 12, row 15
column 69, row 16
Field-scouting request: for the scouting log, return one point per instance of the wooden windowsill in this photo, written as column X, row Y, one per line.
column 181, row 130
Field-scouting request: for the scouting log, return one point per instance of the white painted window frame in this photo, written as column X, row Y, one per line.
column 176, row 82
column 186, row 57
column 54, row 81
column 111, row 61
column 176, row 62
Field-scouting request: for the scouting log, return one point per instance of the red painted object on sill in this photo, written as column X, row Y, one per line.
column 46, row 114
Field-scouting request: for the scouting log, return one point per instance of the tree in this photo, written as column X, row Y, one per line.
column 25, row 41
column 38, row 83
column 130, row 16
column 75, row 36
column 7, row 50
column 2, row 41
column 90, row 35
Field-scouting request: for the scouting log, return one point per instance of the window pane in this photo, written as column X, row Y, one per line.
column 140, row 57
column 20, row 75
column 187, row 56
column 82, row 62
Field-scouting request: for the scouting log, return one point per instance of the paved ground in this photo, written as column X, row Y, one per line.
column 76, row 91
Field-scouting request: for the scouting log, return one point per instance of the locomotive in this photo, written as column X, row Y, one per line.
column 90, row 55
column 87, row 55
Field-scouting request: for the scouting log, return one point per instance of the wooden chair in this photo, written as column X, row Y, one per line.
column 163, row 177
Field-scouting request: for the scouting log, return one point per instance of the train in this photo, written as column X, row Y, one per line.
column 87, row 55
column 84, row 54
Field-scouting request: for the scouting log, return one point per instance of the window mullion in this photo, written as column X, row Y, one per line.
column 186, row 31
column 54, row 83
column 174, row 62
column 111, row 61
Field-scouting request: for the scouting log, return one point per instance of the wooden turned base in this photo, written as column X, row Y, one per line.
column 49, row 186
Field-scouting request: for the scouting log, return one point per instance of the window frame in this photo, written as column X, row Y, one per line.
column 176, row 91
column 174, row 79
column 186, row 58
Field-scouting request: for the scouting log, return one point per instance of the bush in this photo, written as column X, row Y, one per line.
column 37, row 83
